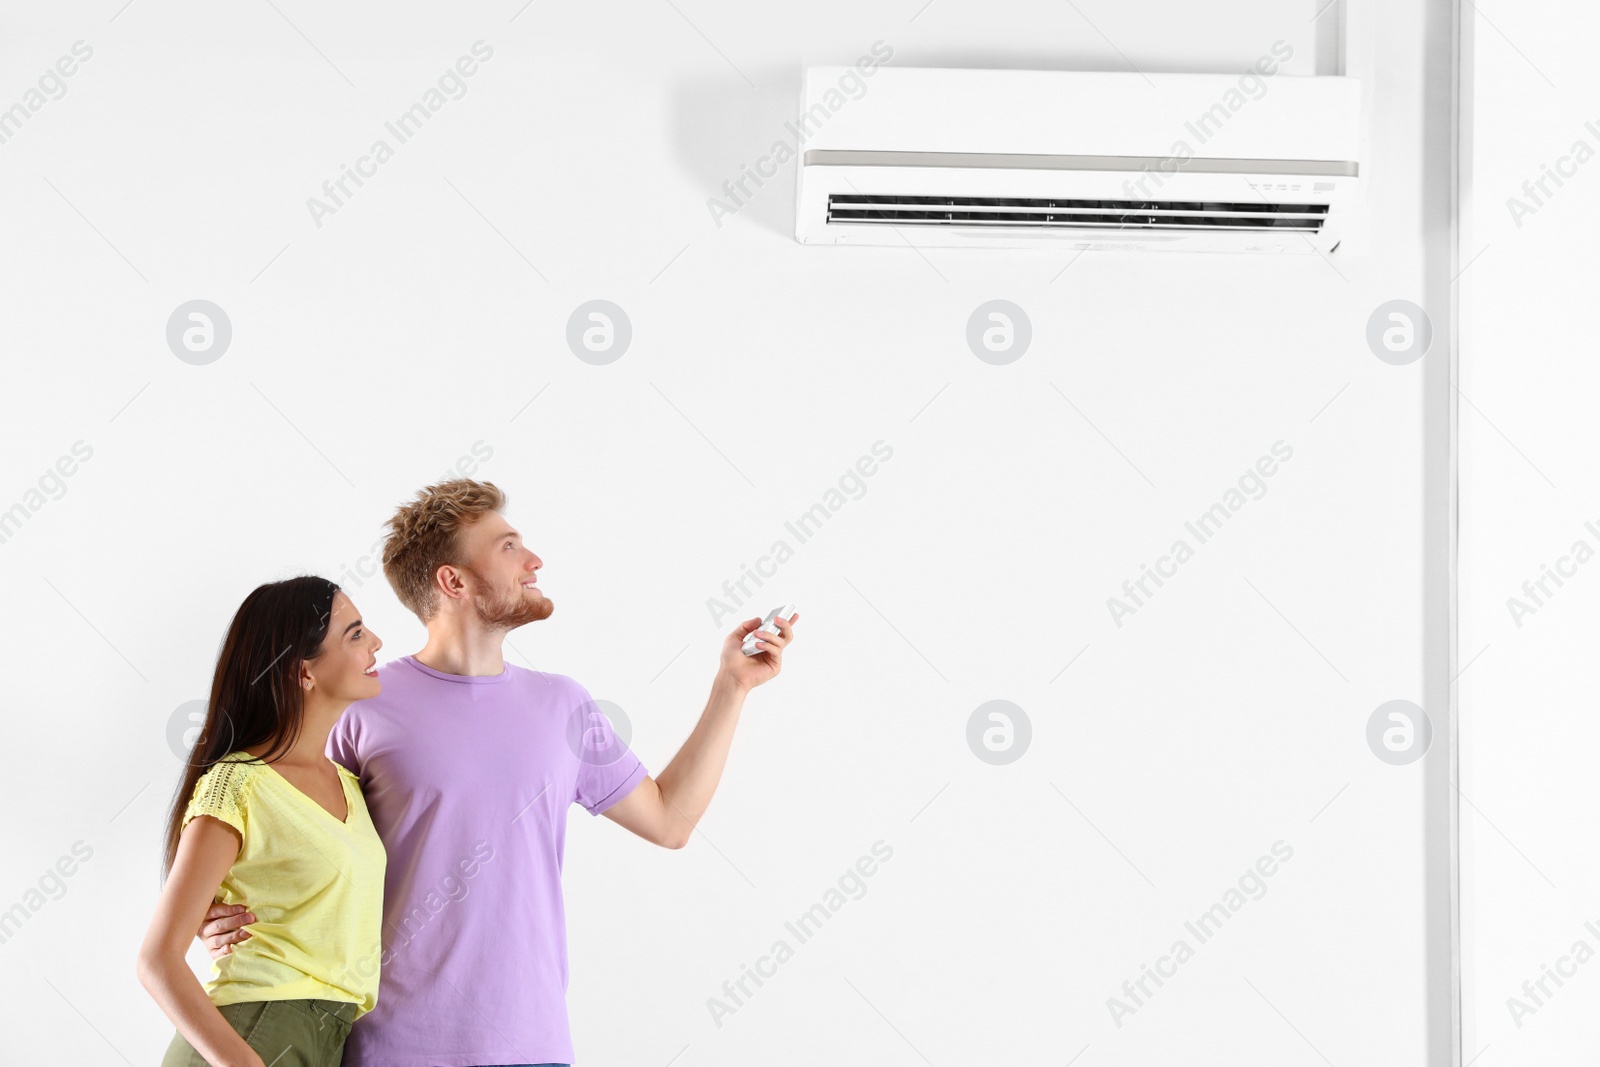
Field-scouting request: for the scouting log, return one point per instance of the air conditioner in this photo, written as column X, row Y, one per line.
column 1257, row 162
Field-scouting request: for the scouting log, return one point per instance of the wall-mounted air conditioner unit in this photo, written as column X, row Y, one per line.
column 1110, row 161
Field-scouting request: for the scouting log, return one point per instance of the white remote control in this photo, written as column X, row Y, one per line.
column 748, row 647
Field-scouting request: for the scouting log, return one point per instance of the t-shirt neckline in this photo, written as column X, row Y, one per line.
column 345, row 823
column 344, row 774
column 469, row 679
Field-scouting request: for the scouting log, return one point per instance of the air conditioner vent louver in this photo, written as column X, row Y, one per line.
column 1061, row 213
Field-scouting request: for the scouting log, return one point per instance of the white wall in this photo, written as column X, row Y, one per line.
column 427, row 315
column 1528, row 683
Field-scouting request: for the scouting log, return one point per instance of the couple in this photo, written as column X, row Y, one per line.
column 421, row 829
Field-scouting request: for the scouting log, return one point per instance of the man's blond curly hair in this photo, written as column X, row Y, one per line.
column 424, row 537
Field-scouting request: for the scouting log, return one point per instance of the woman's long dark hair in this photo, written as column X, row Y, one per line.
column 255, row 692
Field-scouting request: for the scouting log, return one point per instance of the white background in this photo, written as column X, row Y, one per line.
column 428, row 314
column 1527, row 692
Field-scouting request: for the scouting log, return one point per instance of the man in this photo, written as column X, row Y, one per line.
column 468, row 765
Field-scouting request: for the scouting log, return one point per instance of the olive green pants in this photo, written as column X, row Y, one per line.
column 286, row 1033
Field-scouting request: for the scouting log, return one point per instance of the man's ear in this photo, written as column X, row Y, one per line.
column 450, row 581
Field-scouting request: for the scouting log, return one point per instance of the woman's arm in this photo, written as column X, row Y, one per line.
column 206, row 849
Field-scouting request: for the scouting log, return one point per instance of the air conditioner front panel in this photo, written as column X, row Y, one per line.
column 1104, row 209
column 1083, row 159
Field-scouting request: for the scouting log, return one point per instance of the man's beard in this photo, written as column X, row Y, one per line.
column 505, row 610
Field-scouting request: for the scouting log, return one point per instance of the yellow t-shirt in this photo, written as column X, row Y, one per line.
column 314, row 884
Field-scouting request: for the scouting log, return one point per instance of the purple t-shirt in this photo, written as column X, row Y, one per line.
column 468, row 781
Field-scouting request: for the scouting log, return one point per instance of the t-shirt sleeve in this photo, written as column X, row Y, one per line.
column 222, row 793
column 607, row 768
column 342, row 747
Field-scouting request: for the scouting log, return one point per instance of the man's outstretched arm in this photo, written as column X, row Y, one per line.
column 665, row 810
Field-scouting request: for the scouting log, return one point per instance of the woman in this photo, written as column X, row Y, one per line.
column 263, row 815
